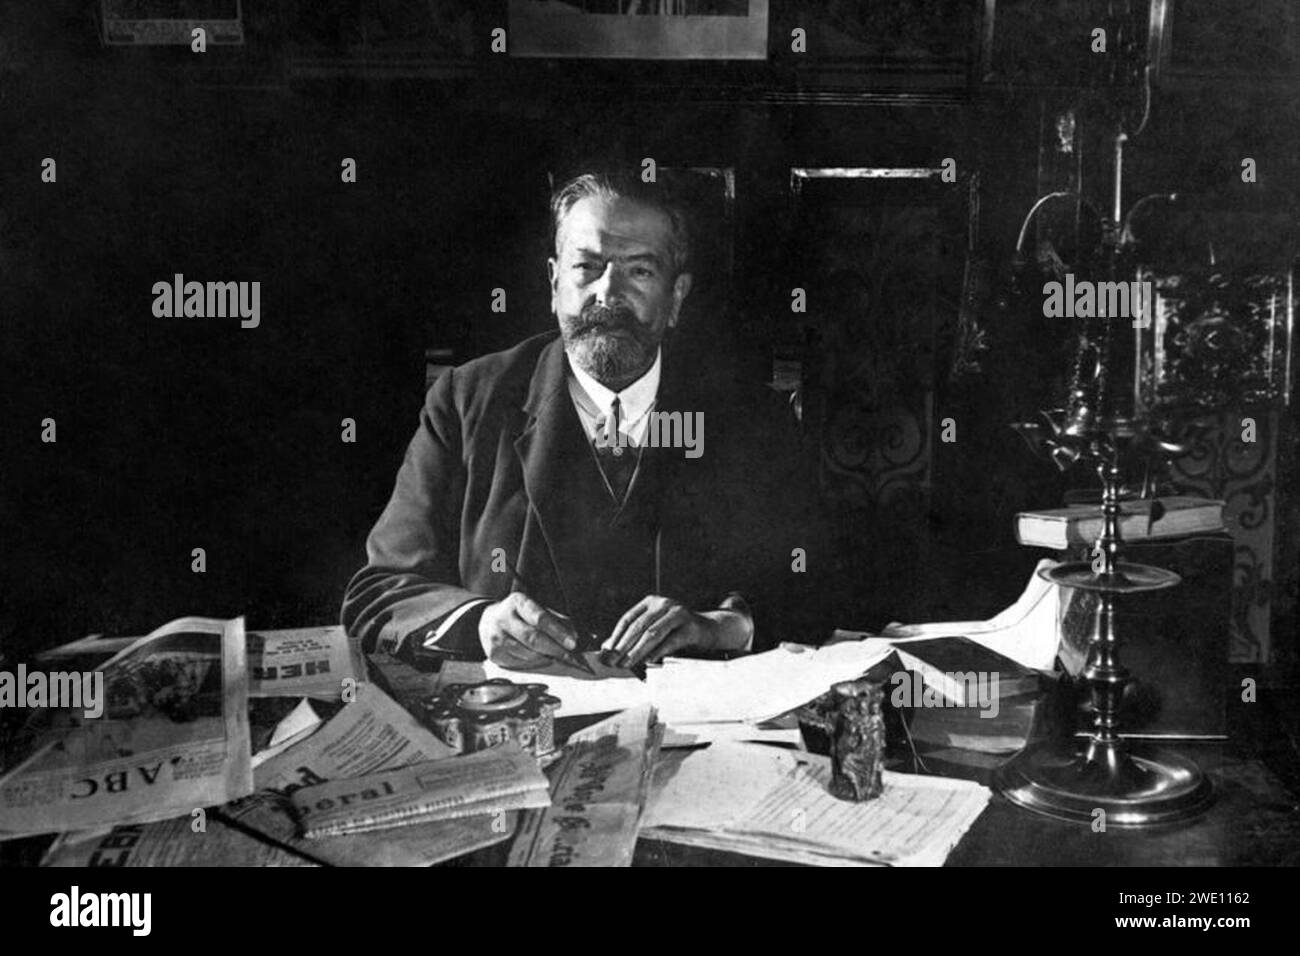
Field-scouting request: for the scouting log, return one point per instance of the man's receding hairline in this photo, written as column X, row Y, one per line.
column 595, row 185
column 651, row 207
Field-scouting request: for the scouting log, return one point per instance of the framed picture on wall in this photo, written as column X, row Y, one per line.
column 639, row 29
column 916, row 42
column 1205, row 39
column 170, row 22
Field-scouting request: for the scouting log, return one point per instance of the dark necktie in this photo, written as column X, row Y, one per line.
column 617, row 461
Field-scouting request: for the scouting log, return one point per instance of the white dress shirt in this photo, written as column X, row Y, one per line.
column 593, row 401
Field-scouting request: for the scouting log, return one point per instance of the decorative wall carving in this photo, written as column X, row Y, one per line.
column 1218, row 354
column 1243, row 474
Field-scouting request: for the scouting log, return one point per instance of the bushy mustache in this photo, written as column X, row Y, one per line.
column 593, row 316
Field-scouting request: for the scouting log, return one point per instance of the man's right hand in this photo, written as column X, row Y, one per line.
column 519, row 633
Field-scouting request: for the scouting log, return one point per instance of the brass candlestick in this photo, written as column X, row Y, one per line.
column 1135, row 785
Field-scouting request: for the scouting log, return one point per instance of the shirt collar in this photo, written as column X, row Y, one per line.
column 634, row 401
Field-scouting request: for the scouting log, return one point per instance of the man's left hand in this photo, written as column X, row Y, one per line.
column 657, row 626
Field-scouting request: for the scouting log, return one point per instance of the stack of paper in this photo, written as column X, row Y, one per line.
column 775, row 804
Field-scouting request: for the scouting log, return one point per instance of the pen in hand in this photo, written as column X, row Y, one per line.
column 562, row 653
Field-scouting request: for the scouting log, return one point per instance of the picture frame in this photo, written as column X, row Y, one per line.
column 639, row 29
column 170, row 22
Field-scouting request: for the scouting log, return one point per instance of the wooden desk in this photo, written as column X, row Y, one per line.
column 1255, row 819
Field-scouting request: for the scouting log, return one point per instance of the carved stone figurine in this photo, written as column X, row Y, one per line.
column 858, row 742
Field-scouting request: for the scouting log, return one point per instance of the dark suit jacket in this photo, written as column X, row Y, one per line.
column 481, row 474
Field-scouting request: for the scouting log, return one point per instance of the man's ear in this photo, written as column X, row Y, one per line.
column 681, row 289
column 552, row 271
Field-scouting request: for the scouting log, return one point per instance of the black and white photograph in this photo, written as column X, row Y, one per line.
column 650, row 434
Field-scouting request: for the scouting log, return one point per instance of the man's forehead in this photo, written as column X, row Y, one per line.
column 620, row 224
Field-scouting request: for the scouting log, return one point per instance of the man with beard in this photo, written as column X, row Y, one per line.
column 536, row 515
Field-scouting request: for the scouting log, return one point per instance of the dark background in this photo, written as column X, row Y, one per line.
column 182, row 433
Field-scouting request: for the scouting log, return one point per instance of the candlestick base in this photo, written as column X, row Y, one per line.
column 1136, row 787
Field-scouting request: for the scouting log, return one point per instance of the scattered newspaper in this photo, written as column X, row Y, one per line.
column 175, row 842
column 173, row 737
column 299, row 662
column 370, row 734
column 304, row 662
column 598, row 790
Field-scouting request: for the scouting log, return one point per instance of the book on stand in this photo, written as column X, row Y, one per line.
column 1140, row 519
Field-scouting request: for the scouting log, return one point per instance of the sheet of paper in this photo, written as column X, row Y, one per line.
column 611, row 689
column 713, row 788
column 299, row 723
column 756, row 687
column 696, row 735
column 1026, row 631
column 915, row 821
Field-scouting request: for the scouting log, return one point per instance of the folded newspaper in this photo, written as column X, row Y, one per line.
column 598, row 791
column 172, row 736
column 314, row 662
column 368, row 735
column 502, row 778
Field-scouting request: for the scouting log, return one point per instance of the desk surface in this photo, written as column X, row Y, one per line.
column 1254, row 821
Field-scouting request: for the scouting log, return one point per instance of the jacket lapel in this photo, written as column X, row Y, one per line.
column 552, row 451
column 678, row 475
